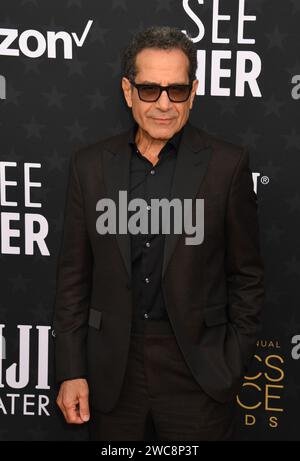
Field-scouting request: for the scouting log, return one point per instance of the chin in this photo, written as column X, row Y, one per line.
column 162, row 132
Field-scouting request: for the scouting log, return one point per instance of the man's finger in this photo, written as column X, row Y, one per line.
column 72, row 415
column 84, row 410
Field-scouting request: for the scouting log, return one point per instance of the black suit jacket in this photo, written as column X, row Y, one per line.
column 214, row 291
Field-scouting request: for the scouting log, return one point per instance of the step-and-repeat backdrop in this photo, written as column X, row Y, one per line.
column 60, row 70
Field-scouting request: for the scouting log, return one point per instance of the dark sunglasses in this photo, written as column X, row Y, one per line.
column 152, row 92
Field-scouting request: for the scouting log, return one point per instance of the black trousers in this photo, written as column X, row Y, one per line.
column 159, row 384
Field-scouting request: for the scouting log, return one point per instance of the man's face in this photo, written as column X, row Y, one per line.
column 163, row 118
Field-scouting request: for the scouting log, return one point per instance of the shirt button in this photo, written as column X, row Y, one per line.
column 147, row 280
column 146, row 315
column 152, row 171
column 147, row 244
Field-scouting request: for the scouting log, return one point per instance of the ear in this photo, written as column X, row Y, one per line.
column 193, row 92
column 127, row 90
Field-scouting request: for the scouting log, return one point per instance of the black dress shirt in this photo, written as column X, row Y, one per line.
column 150, row 182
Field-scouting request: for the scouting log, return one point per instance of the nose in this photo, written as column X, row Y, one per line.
column 164, row 102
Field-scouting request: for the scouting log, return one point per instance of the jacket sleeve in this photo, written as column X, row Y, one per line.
column 74, row 279
column 244, row 267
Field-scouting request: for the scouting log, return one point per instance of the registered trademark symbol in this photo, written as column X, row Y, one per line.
column 265, row 179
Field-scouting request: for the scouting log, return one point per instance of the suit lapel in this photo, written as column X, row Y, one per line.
column 116, row 166
column 192, row 160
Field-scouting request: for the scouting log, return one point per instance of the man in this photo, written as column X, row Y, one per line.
column 146, row 324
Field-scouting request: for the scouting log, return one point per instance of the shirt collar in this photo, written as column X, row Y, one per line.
column 174, row 141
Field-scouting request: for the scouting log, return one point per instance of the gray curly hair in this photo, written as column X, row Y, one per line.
column 161, row 37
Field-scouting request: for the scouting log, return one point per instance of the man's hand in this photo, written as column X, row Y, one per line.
column 73, row 400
